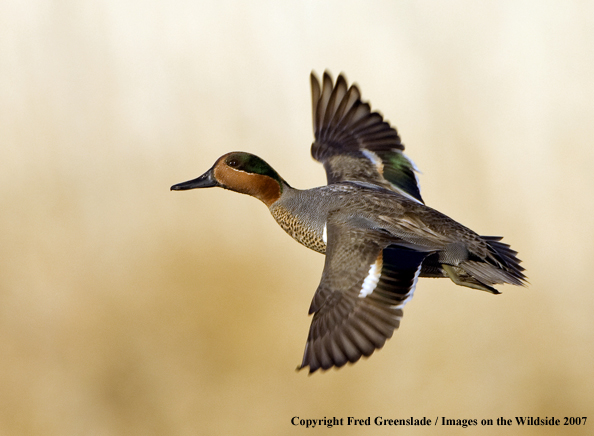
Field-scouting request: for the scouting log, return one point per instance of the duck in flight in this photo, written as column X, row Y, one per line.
column 371, row 223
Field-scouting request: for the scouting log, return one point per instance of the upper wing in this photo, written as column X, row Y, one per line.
column 359, row 301
column 356, row 144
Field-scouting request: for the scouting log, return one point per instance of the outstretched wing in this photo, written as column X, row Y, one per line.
column 359, row 301
column 354, row 143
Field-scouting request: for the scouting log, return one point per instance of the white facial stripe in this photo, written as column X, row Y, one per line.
column 370, row 282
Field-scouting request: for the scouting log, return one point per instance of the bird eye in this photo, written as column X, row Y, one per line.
column 233, row 163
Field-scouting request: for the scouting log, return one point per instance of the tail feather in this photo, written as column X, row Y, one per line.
column 501, row 266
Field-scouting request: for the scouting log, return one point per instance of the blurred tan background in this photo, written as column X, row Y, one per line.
column 129, row 309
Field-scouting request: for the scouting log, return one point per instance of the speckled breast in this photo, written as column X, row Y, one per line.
column 299, row 230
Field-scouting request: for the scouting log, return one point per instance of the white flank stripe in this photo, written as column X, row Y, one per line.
column 325, row 234
column 370, row 282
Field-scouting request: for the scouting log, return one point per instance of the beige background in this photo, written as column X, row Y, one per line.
column 129, row 309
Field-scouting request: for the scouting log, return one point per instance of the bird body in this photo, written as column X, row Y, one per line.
column 371, row 223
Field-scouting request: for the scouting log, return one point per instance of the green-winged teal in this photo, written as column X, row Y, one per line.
column 370, row 221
